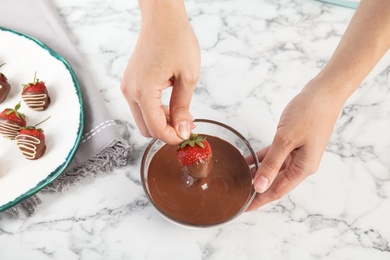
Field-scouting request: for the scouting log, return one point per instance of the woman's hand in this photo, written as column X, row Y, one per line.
column 167, row 54
column 303, row 132
column 308, row 120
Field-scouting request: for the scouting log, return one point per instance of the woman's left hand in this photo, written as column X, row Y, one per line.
column 303, row 132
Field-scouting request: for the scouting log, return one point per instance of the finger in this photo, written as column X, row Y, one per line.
column 134, row 108
column 259, row 201
column 155, row 119
column 168, row 118
column 285, row 182
column 271, row 165
column 181, row 118
column 138, row 118
column 260, row 155
column 166, row 112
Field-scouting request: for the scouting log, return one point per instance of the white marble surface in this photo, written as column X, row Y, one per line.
column 256, row 55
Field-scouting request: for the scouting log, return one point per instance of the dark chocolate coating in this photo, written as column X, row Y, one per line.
column 32, row 148
column 39, row 101
column 4, row 90
column 9, row 129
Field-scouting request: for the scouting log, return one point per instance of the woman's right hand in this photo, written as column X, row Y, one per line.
column 167, row 54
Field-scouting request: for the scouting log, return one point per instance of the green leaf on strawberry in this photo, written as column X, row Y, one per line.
column 14, row 115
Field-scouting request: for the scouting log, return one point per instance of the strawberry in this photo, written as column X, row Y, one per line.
column 31, row 142
column 194, row 155
column 11, row 122
column 35, row 94
column 32, row 131
column 4, row 86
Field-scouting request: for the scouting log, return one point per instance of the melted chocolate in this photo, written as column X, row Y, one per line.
column 31, row 147
column 199, row 169
column 4, row 90
column 204, row 201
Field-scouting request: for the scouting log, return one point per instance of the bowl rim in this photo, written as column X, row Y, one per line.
column 184, row 223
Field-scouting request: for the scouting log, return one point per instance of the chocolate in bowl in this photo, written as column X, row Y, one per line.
column 205, row 202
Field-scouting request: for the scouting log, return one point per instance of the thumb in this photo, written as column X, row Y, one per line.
column 179, row 106
column 270, row 166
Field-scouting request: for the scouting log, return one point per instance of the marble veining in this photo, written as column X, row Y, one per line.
column 256, row 55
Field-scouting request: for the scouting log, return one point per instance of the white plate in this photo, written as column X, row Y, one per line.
column 24, row 55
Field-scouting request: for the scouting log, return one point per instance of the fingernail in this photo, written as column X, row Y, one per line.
column 193, row 126
column 183, row 130
column 261, row 184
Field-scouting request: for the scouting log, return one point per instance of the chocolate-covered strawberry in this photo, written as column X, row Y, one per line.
column 11, row 122
column 5, row 87
column 31, row 142
column 195, row 156
column 35, row 94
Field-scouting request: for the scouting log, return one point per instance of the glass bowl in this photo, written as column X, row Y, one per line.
column 206, row 202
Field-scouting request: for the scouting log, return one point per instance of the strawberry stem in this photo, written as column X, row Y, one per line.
column 41, row 122
column 1, row 65
column 35, row 78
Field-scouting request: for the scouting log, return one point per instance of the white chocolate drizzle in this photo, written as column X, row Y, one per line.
column 28, row 145
column 9, row 131
column 35, row 101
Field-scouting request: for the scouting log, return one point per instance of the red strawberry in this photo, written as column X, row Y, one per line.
column 32, row 131
column 31, row 142
column 4, row 86
column 11, row 122
column 195, row 155
column 35, row 94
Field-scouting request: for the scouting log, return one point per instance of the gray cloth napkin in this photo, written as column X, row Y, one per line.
column 101, row 147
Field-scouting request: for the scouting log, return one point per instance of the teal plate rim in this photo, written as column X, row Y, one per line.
column 53, row 175
column 344, row 3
